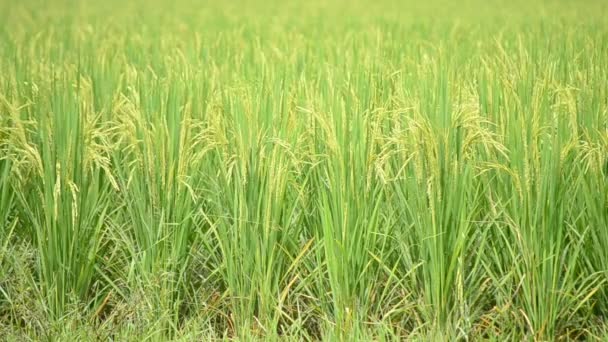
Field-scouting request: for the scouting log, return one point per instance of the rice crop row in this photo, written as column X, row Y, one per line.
column 303, row 171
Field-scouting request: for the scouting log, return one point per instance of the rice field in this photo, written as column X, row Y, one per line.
column 307, row 170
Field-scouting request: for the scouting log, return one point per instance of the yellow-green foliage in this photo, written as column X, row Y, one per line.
column 338, row 170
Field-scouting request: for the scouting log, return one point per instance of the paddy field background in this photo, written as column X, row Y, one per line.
column 303, row 170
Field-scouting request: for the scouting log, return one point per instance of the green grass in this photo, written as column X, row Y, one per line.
column 194, row 170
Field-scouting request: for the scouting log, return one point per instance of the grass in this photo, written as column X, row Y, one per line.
column 303, row 171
